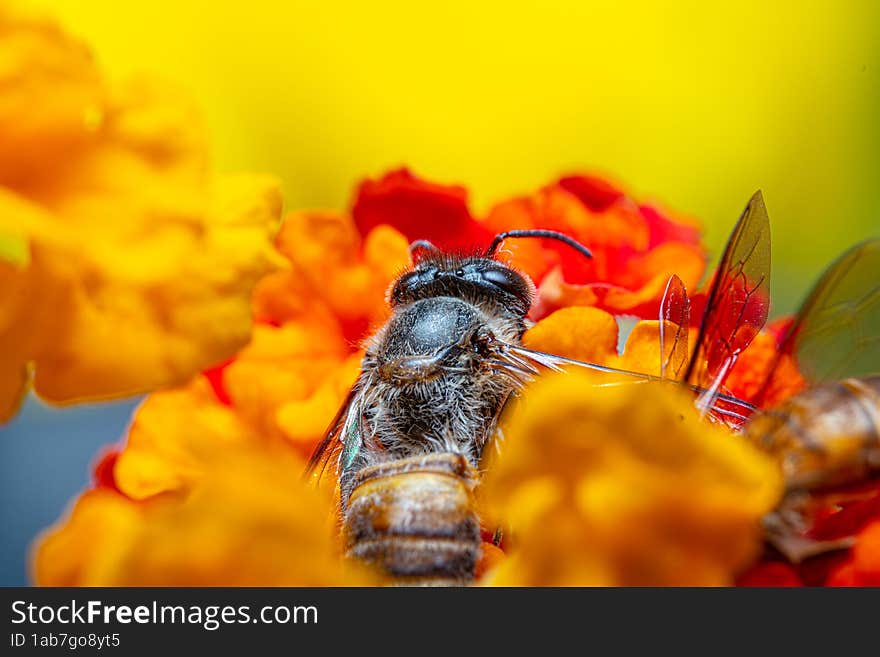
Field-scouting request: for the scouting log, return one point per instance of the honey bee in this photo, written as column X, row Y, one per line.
column 827, row 436
column 433, row 382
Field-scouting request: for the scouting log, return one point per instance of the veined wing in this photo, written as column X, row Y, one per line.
column 836, row 332
column 675, row 317
column 730, row 410
column 737, row 305
column 343, row 438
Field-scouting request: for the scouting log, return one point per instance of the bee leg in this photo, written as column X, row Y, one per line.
column 786, row 530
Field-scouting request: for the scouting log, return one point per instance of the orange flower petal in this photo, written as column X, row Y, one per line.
column 586, row 334
column 101, row 522
column 642, row 351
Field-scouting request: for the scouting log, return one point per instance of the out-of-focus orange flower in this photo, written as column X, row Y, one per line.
column 173, row 436
column 126, row 264
column 625, row 486
column 636, row 248
column 250, row 521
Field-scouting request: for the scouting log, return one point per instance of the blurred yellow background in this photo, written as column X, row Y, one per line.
column 693, row 105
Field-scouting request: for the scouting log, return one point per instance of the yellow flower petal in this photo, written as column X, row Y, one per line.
column 173, row 436
column 250, row 521
column 141, row 262
column 637, row 489
column 101, row 524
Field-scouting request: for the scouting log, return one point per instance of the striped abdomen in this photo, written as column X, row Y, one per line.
column 828, row 435
column 415, row 518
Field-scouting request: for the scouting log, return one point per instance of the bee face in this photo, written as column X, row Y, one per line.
column 475, row 279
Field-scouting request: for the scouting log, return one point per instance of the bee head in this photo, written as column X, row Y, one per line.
column 470, row 278
column 477, row 277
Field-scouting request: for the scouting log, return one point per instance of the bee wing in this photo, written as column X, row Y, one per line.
column 729, row 410
column 675, row 317
column 737, row 305
column 343, row 437
column 836, row 332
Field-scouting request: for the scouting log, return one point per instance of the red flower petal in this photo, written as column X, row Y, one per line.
column 215, row 378
column 102, row 475
column 770, row 573
column 863, row 566
column 848, row 511
column 420, row 210
column 596, row 193
column 661, row 229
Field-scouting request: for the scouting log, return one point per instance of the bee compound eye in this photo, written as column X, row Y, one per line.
column 505, row 280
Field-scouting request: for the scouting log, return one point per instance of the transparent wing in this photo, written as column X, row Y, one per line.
column 675, row 317
column 836, row 332
column 343, row 437
column 738, row 302
column 729, row 410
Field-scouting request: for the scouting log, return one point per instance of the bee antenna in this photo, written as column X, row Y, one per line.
column 547, row 234
column 422, row 248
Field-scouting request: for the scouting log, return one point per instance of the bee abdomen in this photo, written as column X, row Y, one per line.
column 415, row 518
column 828, row 435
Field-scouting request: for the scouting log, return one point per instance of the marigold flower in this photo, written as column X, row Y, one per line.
column 126, row 264
column 617, row 469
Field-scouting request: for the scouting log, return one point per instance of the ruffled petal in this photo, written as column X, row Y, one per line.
column 601, row 499
column 250, row 521
column 135, row 264
column 419, row 210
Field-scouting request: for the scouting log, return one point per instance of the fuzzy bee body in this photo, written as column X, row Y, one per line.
column 425, row 388
column 828, row 435
column 408, row 441
column 428, row 406
column 823, row 438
